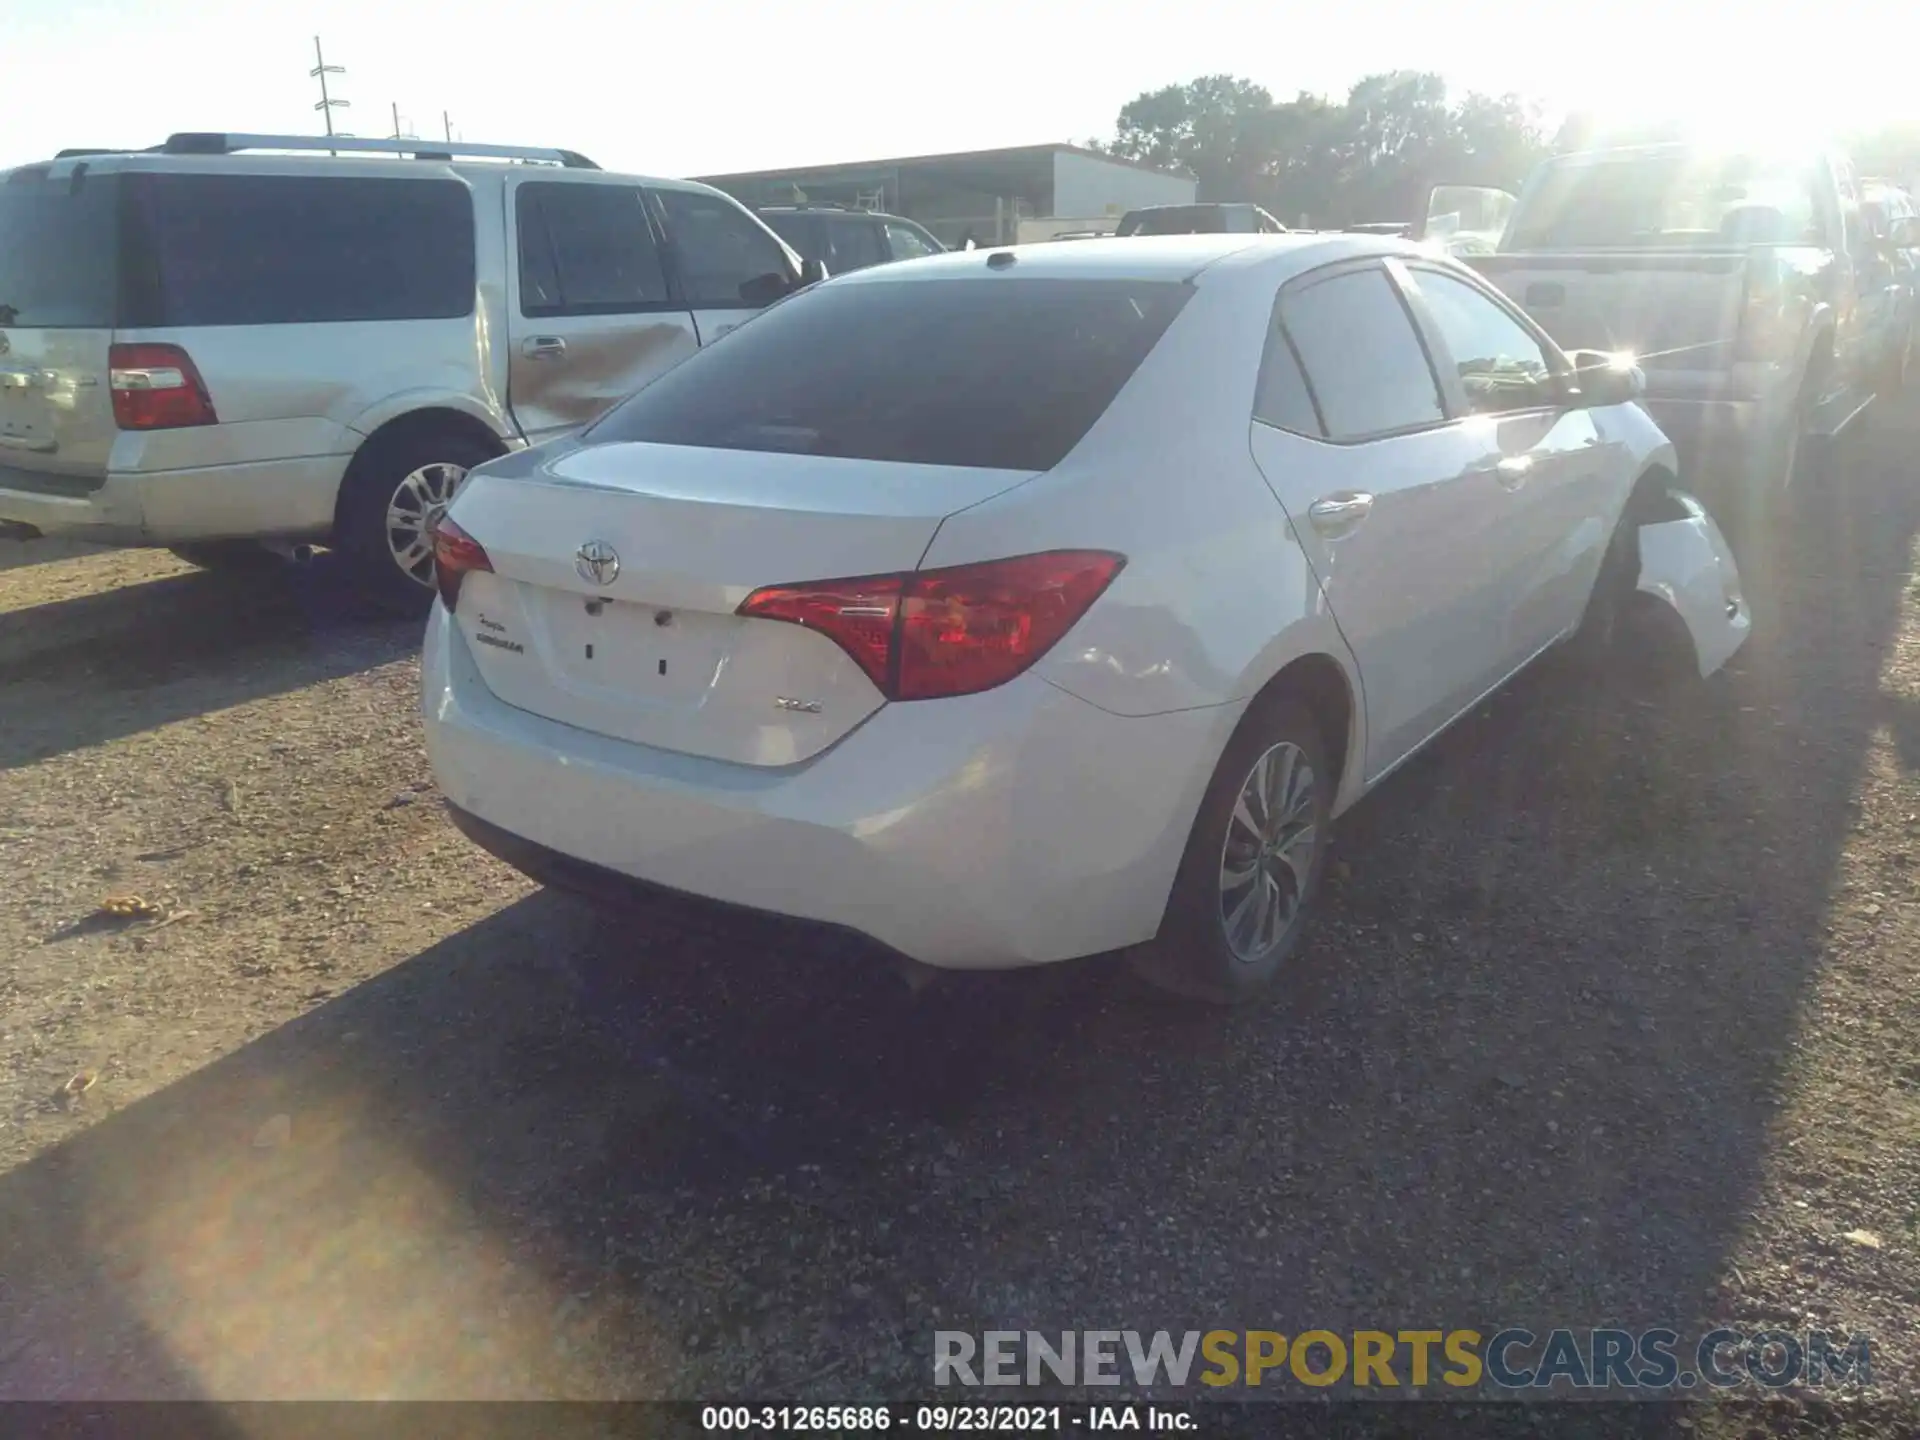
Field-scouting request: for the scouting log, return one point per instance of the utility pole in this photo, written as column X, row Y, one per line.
column 446, row 125
column 326, row 104
column 396, row 119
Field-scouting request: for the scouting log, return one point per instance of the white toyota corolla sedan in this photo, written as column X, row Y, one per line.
column 1016, row 605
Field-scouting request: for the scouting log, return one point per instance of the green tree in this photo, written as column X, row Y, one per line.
column 1370, row 156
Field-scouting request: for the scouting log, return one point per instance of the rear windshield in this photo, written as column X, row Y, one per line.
column 1001, row 373
column 58, row 251
column 1666, row 200
column 1176, row 220
column 289, row 250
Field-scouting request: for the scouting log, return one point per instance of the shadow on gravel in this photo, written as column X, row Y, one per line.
column 98, row 667
column 1524, row 1077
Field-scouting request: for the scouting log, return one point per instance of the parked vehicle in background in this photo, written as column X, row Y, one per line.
column 205, row 346
column 1222, row 219
column 843, row 240
column 1893, row 224
column 1734, row 279
column 1391, row 228
column 1073, row 634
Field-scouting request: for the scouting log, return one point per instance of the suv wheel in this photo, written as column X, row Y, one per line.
column 393, row 495
column 1251, row 873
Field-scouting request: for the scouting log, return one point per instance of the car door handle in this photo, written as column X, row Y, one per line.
column 1339, row 515
column 543, row 347
column 1510, row 470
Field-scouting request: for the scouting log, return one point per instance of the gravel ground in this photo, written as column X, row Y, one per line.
column 1611, row 1019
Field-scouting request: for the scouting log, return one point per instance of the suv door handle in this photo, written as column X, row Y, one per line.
column 1510, row 470
column 1339, row 515
column 543, row 347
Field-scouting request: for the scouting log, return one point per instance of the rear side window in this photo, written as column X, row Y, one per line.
column 720, row 249
column 799, row 232
column 1283, row 399
column 1362, row 356
column 294, row 250
column 852, row 245
column 59, row 248
column 586, row 250
column 1002, row 373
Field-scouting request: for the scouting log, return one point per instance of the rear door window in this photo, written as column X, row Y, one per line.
column 586, row 249
column 292, row 250
column 1001, row 373
column 723, row 254
column 853, row 245
column 799, row 231
column 1363, row 359
column 59, row 251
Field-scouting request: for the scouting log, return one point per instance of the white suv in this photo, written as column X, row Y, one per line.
column 209, row 345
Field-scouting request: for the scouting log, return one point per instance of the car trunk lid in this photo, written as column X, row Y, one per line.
column 617, row 570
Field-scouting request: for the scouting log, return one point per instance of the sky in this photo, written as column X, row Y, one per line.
column 713, row 86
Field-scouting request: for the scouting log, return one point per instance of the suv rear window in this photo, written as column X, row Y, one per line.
column 292, row 250
column 58, row 252
column 997, row 373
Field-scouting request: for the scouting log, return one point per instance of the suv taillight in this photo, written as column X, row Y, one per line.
column 935, row 633
column 455, row 554
column 157, row 387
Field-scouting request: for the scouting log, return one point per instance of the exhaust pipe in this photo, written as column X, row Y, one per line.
column 298, row 554
column 18, row 530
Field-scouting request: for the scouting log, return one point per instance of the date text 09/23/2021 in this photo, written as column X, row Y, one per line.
column 945, row 1419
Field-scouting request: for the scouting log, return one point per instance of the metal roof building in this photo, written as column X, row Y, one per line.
column 985, row 194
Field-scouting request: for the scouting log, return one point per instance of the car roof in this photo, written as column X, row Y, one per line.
column 1152, row 257
column 280, row 162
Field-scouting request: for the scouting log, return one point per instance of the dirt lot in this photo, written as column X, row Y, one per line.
column 1613, row 1019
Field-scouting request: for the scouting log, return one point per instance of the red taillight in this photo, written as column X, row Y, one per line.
column 157, row 387
column 455, row 553
column 935, row 633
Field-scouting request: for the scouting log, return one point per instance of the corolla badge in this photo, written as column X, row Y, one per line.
column 598, row 562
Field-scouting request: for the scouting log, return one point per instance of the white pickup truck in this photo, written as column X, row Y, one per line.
column 1733, row 279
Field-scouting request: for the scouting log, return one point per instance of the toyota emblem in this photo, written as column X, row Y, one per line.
column 597, row 561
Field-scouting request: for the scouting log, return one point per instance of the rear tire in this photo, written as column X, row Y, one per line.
column 1248, row 882
column 394, row 491
column 228, row 557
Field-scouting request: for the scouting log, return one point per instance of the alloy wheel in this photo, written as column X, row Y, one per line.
column 416, row 507
column 1268, row 854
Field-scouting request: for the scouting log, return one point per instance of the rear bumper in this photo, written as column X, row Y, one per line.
column 290, row 499
column 1017, row 827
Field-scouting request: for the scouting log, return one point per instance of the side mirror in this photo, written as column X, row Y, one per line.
column 1602, row 377
column 812, row 272
column 1905, row 234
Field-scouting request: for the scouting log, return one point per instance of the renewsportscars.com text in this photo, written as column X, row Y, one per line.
column 1509, row 1359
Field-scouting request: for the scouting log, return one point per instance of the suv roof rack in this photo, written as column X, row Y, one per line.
column 80, row 150
column 192, row 142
